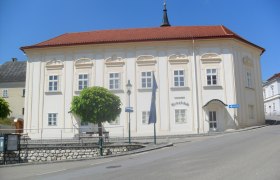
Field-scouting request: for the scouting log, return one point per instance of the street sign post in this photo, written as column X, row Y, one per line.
column 234, row 105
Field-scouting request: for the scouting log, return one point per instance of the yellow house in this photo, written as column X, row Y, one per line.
column 12, row 86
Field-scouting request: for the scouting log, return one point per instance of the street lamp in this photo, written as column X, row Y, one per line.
column 128, row 87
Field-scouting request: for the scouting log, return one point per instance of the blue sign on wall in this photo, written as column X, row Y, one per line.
column 234, row 105
column 129, row 109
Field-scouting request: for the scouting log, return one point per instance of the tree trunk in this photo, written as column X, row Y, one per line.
column 100, row 130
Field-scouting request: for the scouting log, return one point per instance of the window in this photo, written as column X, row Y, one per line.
column 53, row 83
column 114, row 81
column 249, row 82
column 116, row 121
column 52, row 119
column 212, row 120
column 251, row 111
column 265, row 109
column 5, row 93
column 83, row 81
column 179, row 78
column 180, row 116
column 145, row 117
column 22, row 111
column 273, row 105
column 272, row 91
column 23, row 93
column 146, row 80
column 264, row 93
column 211, row 75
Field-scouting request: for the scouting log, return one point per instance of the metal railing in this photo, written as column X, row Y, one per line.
column 68, row 135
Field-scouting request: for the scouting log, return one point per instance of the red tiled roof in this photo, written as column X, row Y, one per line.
column 140, row 35
column 274, row 77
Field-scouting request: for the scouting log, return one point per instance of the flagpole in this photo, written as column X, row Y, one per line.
column 155, row 136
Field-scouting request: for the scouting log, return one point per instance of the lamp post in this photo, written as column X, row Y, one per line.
column 128, row 87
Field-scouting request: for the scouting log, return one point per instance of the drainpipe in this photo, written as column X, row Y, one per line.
column 196, row 88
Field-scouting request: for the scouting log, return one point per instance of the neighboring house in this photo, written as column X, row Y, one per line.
column 199, row 71
column 12, row 86
column 271, row 94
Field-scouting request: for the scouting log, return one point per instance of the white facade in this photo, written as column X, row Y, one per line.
column 271, row 94
column 196, row 79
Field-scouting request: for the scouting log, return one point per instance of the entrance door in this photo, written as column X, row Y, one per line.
column 212, row 120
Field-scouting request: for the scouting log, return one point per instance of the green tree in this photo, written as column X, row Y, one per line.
column 96, row 105
column 4, row 108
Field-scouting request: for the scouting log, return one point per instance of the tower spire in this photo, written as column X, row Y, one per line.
column 165, row 21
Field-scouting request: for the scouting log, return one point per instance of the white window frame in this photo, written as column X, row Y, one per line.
column 5, row 93
column 83, row 80
column 114, row 82
column 249, row 80
column 180, row 116
column 145, row 117
column 213, row 124
column 52, row 82
column 146, row 79
column 52, row 119
column 211, row 76
column 179, row 79
column 272, row 90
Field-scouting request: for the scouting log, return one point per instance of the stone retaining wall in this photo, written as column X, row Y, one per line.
column 57, row 153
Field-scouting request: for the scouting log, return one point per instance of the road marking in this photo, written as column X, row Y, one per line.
column 100, row 162
column 50, row 172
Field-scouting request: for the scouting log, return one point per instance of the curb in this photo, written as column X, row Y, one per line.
column 141, row 150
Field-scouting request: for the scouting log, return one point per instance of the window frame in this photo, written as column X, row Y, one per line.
column 51, row 83
column 52, row 119
column 213, row 123
column 249, row 79
column 179, row 76
column 145, row 117
column 251, row 111
column 211, row 74
column 5, row 93
column 148, row 80
column 179, row 118
column 83, row 80
column 114, row 79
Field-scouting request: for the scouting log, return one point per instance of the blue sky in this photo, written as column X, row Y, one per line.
column 26, row 22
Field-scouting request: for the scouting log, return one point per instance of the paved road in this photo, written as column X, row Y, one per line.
column 248, row 155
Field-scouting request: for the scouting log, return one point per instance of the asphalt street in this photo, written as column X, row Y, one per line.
column 246, row 155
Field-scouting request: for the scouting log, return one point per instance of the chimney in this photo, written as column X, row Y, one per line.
column 14, row 59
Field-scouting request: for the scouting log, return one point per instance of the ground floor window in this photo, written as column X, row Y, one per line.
column 180, row 116
column 52, row 119
column 212, row 119
column 145, row 117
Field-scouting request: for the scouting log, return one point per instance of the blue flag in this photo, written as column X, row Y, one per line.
column 153, row 112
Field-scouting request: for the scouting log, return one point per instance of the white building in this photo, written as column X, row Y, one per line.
column 271, row 94
column 199, row 71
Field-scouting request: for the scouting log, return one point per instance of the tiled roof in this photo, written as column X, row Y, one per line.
column 274, row 77
column 13, row 71
column 140, row 35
